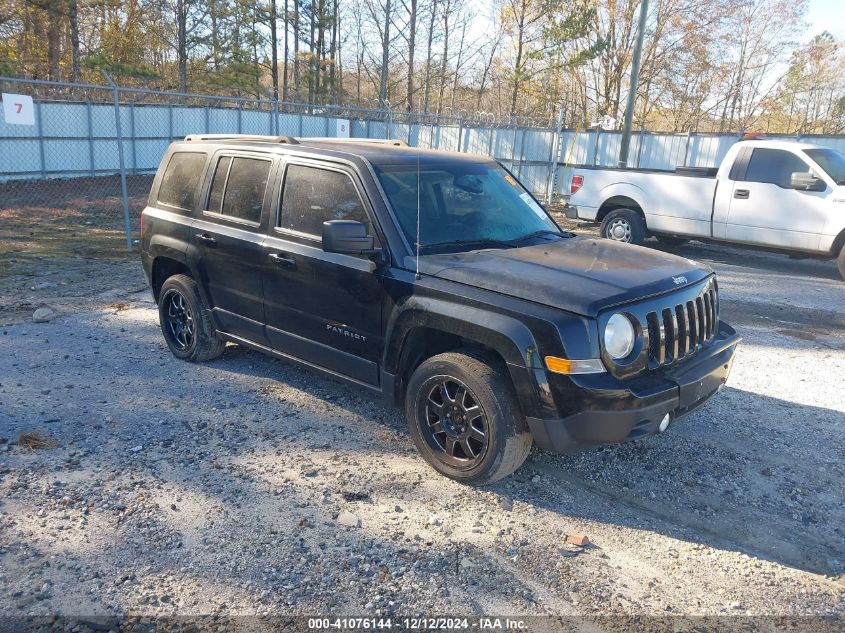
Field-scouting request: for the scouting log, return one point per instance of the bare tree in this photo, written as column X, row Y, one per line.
column 494, row 47
column 385, row 55
column 447, row 12
column 707, row 64
column 73, row 19
column 273, row 18
column 428, row 53
column 285, row 71
column 296, row 35
column 759, row 32
column 412, row 39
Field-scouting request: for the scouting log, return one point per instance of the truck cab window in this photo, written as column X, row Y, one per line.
column 312, row 196
column 774, row 166
column 179, row 183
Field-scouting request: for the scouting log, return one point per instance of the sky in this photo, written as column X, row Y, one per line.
column 821, row 15
column 826, row 15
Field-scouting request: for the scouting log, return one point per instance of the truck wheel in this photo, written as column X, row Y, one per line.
column 840, row 261
column 464, row 418
column 185, row 322
column 623, row 225
column 671, row 240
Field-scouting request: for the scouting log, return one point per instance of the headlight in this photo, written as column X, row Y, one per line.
column 619, row 336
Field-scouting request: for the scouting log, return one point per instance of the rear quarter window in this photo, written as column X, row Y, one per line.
column 178, row 186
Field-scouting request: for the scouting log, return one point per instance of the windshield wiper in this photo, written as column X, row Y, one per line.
column 480, row 242
column 542, row 232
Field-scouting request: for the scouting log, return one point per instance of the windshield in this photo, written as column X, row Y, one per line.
column 831, row 161
column 462, row 206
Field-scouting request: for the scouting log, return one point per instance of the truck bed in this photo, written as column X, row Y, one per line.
column 681, row 170
column 678, row 202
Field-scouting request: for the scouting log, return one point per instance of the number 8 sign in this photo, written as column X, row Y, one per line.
column 343, row 128
column 18, row 109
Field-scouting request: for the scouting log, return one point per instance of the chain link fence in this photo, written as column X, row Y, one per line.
column 75, row 175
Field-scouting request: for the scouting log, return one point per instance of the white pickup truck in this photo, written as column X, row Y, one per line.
column 779, row 195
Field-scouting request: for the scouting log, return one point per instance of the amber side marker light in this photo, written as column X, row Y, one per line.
column 568, row 366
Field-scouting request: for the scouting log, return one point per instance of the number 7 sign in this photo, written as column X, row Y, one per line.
column 18, row 109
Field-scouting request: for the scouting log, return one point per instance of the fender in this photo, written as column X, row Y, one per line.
column 163, row 245
column 833, row 237
column 507, row 336
column 627, row 190
column 510, row 338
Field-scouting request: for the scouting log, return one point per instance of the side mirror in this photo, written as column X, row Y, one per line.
column 348, row 237
column 806, row 181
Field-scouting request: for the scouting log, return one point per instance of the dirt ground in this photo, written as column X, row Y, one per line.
column 162, row 487
column 56, row 223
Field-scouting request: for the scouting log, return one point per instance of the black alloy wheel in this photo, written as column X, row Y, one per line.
column 179, row 320
column 455, row 424
column 464, row 416
column 186, row 322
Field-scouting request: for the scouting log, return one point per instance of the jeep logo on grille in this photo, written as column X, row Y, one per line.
column 679, row 280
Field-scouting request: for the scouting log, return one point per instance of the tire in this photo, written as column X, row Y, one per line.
column 185, row 321
column 489, row 396
column 624, row 225
column 840, row 261
column 671, row 240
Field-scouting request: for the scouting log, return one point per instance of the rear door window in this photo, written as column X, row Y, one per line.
column 238, row 187
column 181, row 177
column 313, row 195
column 774, row 166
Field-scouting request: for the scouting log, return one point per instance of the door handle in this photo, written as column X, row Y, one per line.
column 281, row 259
column 205, row 238
column 742, row 194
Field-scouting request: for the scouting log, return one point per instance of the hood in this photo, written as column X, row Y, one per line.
column 578, row 274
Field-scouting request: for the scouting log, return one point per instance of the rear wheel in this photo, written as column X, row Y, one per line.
column 671, row 240
column 464, row 418
column 624, row 225
column 185, row 322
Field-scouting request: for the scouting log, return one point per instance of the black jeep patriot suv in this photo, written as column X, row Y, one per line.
column 435, row 280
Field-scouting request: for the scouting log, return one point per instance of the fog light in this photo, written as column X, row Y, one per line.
column 664, row 423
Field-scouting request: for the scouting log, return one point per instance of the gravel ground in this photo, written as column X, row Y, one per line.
column 249, row 486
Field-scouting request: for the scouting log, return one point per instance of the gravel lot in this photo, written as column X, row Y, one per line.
column 249, row 486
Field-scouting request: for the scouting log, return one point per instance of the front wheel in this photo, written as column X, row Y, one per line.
column 464, row 418
column 624, row 225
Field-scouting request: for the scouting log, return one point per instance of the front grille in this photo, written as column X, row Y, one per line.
column 680, row 330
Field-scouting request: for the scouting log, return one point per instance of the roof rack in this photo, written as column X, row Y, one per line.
column 289, row 140
column 376, row 141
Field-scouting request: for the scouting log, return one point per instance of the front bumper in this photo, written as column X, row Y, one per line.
column 613, row 415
